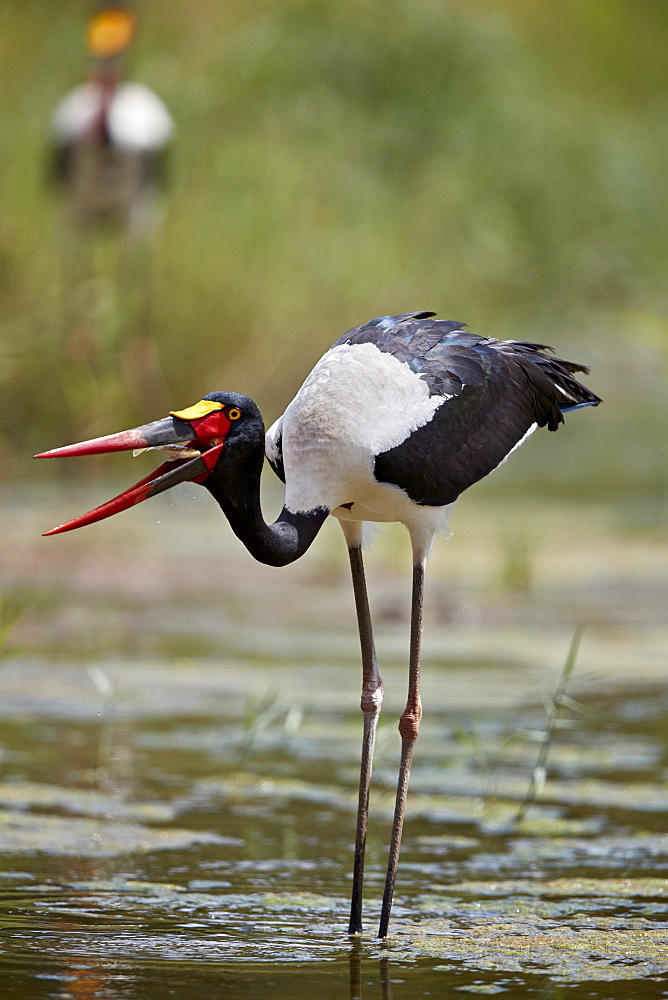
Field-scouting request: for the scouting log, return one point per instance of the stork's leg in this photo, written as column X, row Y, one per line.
column 409, row 725
column 372, row 697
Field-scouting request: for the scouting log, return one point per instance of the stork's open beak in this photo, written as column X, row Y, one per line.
column 193, row 438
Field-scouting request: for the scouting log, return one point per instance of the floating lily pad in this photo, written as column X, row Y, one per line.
column 25, row 794
column 620, row 888
column 450, row 842
column 288, row 901
column 485, row 989
column 128, row 885
column 542, row 821
column 592, row 949
column 29, row 833
column 632, row 795
column 608, row 850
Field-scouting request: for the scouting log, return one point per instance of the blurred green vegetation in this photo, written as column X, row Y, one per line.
column 499, row 161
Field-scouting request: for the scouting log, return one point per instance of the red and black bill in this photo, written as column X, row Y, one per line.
column 193, row 438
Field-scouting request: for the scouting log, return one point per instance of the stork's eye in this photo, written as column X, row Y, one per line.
column 234, row 413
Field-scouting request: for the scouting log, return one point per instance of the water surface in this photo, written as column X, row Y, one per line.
column 179, row 741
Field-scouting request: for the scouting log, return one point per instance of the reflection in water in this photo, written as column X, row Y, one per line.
column 356, row 973
column 385, row 983
column 355, row 970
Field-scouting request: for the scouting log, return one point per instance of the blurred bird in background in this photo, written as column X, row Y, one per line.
column 108, row 154
column 110, row 136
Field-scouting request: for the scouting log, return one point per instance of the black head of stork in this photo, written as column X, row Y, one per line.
column 395, row 421
column 110, row 136
column 218, row 443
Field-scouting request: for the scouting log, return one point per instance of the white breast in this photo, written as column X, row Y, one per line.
column 137, row 117
column 357, row 403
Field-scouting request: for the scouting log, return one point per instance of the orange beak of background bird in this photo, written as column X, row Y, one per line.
column 193, row 438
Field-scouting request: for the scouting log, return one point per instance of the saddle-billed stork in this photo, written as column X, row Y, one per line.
column 396, row 420
column 109, row 135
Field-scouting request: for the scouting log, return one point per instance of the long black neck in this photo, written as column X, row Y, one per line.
column 236, row 487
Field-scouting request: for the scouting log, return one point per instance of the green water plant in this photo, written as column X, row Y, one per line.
column 263, row 712
column 560, row 703
column 12, row 609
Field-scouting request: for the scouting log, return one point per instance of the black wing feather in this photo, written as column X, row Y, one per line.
column 497, row 390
